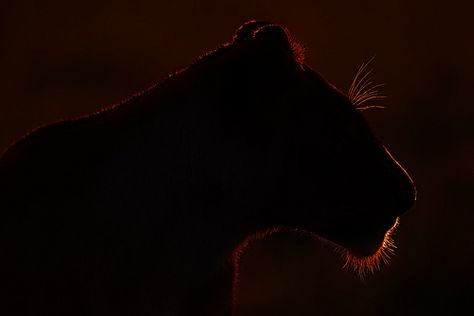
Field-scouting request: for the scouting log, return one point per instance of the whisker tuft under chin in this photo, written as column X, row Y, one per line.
column 364, row 266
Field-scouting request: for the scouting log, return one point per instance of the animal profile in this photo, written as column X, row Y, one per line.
column 139, row 209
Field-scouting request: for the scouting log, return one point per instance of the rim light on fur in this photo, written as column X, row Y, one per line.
column 364, row 266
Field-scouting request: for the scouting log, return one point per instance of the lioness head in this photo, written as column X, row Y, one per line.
column 311, row 160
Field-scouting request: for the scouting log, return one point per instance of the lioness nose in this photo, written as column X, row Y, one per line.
column 403, row 188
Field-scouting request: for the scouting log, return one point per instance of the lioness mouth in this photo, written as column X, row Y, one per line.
column 365, row 265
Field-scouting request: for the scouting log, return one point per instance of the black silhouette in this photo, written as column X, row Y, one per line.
column 137, row 209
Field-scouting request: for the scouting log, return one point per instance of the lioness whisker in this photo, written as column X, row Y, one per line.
column 363, row 89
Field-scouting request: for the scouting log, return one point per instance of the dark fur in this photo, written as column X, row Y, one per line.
column 135, row 210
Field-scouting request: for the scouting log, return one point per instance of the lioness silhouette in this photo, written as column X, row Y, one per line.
column 138, row 209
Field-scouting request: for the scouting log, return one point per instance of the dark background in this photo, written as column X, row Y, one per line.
column 59, row 59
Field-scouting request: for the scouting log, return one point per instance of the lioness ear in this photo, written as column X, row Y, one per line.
column 247, row 29
column 265, row 52
column 273, row 35
column 272, row 39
